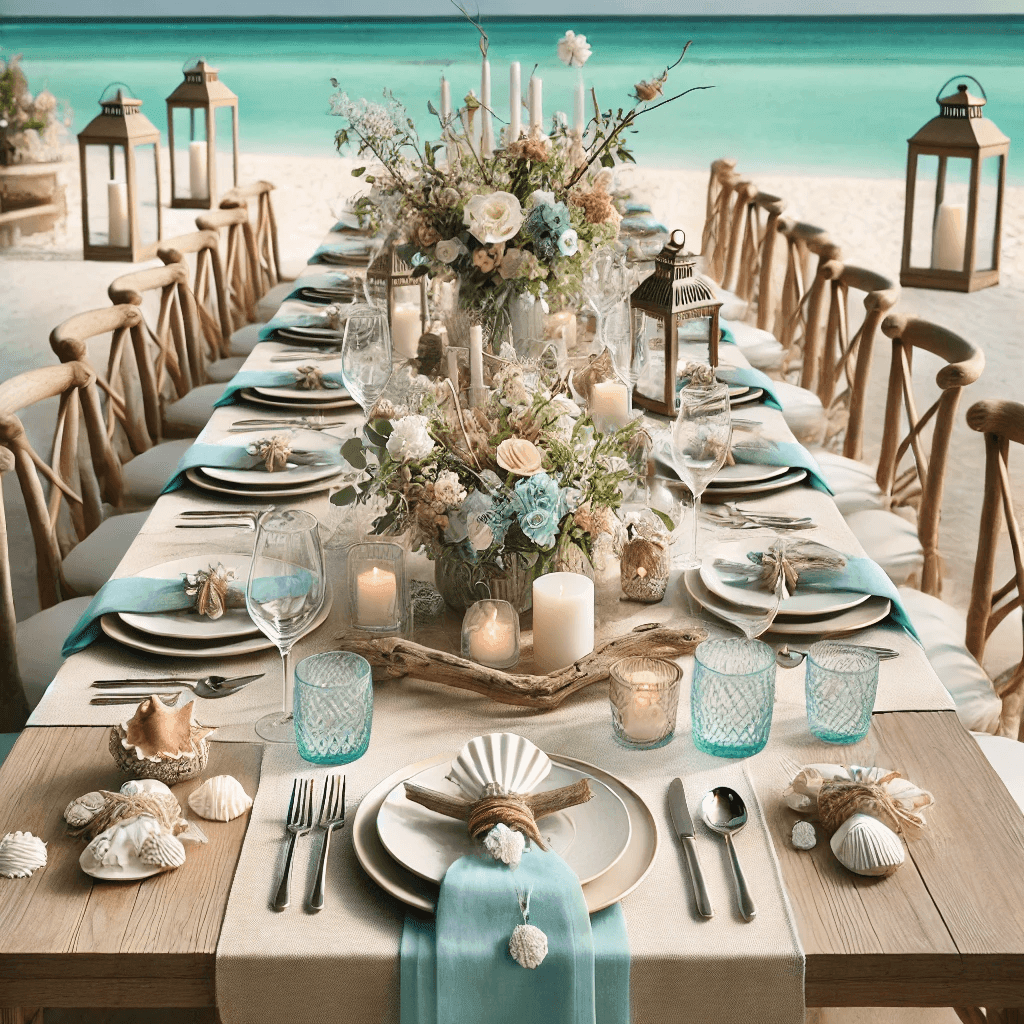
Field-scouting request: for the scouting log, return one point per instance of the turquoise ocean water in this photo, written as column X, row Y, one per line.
column 817, row 95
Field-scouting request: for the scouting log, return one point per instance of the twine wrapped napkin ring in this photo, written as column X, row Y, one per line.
column 210, row 588
column 274, row 452
column 784, row 559
column 311, row 378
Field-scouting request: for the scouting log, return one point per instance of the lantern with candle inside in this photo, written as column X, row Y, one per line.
column 672, row 304
column 378, row 593
column 119, row 160
column 393, row 284
column 956, row 167
column 201, row 110
column 563, row 620
column 644, row 694
column 490, row 634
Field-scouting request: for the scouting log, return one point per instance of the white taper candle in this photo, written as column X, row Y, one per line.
column 476, row 356
column 515, row 102
column 446, row 99
column 536, row 104
column 580, row 117
column 487, row 122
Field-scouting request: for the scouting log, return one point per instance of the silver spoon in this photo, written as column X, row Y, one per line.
column 208, row 687
column 785, row 657
column 724, row 812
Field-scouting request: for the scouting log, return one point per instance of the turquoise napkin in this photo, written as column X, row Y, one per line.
column 459, row 969
column 632, row 207
column 747, row 375
column 266, row 379
column 642, row 223
column 311, row 317
column 770, row 453
column 353, row 250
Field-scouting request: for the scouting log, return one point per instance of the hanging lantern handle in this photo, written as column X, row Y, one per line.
column 938, row 95
column 124, row 85
column 672, row 239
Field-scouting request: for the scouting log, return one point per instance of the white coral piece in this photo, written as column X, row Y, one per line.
column 505, row 844
column 528, row 946
column 21, row 853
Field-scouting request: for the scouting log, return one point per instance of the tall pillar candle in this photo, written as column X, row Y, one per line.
column 117, row 214
column 579, row 114
column 405, row 330
column 486, row 121
column 446, row 99
column 950, row 237
column 515, row 102
column 609, row 405
column 476, row 356
column 536, row 104
column 563, row 620
column 198, row 180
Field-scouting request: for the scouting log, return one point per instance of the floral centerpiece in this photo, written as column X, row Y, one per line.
column 32, row 128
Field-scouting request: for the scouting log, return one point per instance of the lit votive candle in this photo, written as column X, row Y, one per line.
column 644, row 694
column 609, row 405
column 376, row 596
column 563, row 620
column 490, row 634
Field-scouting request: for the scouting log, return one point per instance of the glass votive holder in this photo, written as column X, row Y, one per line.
column 732, row 696
column 644, row 693
column 490, row 634
column 841, row 681
column 333, row 707
column 378, row 593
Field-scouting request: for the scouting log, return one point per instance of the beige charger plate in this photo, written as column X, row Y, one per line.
column 604, row 891
column 346, row 402
column 239, row 491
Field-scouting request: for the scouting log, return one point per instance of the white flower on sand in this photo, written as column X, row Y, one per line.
column 492, row 218
column 448, row 249
column 410, row 441
column 448, row 490
column 573, row 50
column 538, row 196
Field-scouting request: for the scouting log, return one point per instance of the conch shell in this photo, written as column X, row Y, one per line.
column 161, row 743
column 220, row 799
column 519, row 456
column 865, row 846
column 209, row 587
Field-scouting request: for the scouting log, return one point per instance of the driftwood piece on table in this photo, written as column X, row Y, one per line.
column 393, row 657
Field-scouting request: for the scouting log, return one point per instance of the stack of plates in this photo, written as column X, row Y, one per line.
column 350, row 254
column 610, row 842
column 740, row 394
column 806, row 613
column 345, row 292
column 294, row 399
column 309, row 335
column 746, row 478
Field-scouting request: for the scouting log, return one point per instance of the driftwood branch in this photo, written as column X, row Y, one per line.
column 540, row 804
column 394, row 657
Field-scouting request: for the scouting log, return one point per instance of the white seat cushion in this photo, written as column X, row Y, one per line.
column 733, row 307
column 245, row 339
column 144, row 477
column 942, row 630
column 40, row 638
column 760, row 347
column 802, row 411
column 852, row 482
column 890, row 541
column 223, row 370
column 269, row 304
column 92, row 562
column 1007, row 758
column 291, row 269
column 190, row 414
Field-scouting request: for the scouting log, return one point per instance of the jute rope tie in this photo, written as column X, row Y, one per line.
column 120, row 807
column 839, row 799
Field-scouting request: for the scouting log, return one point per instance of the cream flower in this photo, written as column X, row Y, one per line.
column 538, row 196
column 495, row 217
column 448, row 490
column 519, row 456
column 409, row 440
column 573, row 50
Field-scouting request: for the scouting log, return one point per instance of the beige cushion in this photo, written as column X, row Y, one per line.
column 763, row 352
column 802, row 411
column 270, row 303
column 190, row 414
column 890, row 541
column 1007, row 758
column 223, row 370
column 942, row 629
column 852, row 482
column 90, row 563
column 245, row 339
column 733, row 307
column 291, row 269
column 144, row 477
column 40, row 638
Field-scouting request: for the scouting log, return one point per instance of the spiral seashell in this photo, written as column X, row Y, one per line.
column 519, row 456
column 220, row 799
column 865, row 846
column 498, row 763
column 21, row 853
column 162, row 851
column 83, row 809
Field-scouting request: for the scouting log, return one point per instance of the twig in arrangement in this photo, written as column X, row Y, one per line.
column 475, row 22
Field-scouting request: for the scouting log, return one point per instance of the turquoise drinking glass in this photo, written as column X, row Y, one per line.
column 333, row 707
column 732, row 696
column 841, row 681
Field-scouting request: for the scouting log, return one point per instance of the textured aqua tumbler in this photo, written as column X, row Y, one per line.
column 840, row 683
column 333, row 707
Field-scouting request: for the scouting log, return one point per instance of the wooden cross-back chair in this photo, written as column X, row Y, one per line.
column 13, row 702
column 241, row 270
column 261, row 231
column 754, row 254
column 739, row 228
column 718, row 216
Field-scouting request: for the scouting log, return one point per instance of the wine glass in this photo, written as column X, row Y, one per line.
column 606, row 284
column 366, row 355
column 754, row 619
column 284, row 594
column 701, row 436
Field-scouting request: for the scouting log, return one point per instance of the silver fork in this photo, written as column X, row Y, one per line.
column 332, row 816
column 170, row 699
column 300, row 821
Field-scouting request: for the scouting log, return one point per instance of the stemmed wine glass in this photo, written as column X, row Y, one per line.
column 284, row 594
column 606, row 284
column 701, row 436
column 366, row 355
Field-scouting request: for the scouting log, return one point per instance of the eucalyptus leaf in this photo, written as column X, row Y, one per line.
column 383, row 427
column 346, row 496
column 669, row 525
column 352, row 449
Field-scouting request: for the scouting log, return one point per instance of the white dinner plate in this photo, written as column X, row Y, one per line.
column 197, row 477
column 865, row 614
column 590, row 837
column 604, row 891
column 778, row 483
column 746, row 473
column 294, row 474
column 751, row 395
column 311, row 395
column 250, row 395
column 187, row 624
column 310, row 332
column 802, row 604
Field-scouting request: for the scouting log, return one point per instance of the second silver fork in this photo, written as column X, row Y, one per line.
column 332, row 816
column 300, row 821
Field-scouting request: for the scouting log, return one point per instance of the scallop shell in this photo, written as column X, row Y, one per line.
column 21, row 853
column 161, row 743
column 500, row 762
column 220, row 799
column 865, row 846
column 519, row 456
column 162, row 850
column 81, row 811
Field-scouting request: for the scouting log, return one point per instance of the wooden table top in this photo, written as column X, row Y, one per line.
column 946, row 930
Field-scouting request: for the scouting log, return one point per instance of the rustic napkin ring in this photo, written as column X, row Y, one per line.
column 311, row 378
column 696, row 375
column 274, row 452
column 784, row 560
column 211, row 590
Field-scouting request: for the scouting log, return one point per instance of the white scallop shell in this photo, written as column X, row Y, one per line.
column 115, row 852
column 865, row 846
column 133, row 787
column 81, row 811
column 220, row 799
column 21, row 853
column 500, row 762
column 162, row 850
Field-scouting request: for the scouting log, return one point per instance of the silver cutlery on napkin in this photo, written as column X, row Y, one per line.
column 332, row 816
column 744, row 519
column 170, row 699
column 684, row 828
column 724, row 812
column 245, row 519
column 305, row 355
column 299, row 822
column 208, row 687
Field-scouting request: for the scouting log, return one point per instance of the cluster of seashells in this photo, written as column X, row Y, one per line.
column 161, row 743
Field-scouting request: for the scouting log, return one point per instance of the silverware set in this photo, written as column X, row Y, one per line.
column 295, row 357
column 200, row 519
column 736, row 518
column 303, row 422
column 299, row 822
column 209, row 687
column 787, row 657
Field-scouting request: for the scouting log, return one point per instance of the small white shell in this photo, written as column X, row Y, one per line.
column 162, row 850
column 804, row 836
column 135, row 786
column 21, row 853
column 81, row 811
column 528, row 945
column 220, row 799
column 118, row 847
column 498, row 763
column 865, row 846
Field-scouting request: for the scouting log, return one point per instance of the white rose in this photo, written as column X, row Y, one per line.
column 492, row 218
column 448, row 250
column 448, row 490
column 538, row 196
column 566, row 406
column 409, row 440
column 573, row 50
column 480, row 534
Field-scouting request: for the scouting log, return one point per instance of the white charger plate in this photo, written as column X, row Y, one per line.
column 198, row 478
column 317, row 395
column 746, row 473
column 309, row 332
column 187, row 624
column 590, row 837
column 604, row 891
column 779, row 483
column 250, row 395
column 752, row 395
column 293, row 474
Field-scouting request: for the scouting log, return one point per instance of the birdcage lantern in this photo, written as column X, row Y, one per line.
column 199, row 112
column 956, row 170
column 672, row 305
column 392, row 283
column 119, row 162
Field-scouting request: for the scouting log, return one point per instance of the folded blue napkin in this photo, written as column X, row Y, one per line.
column 354, row 250
column 267, row 379
column 311, row 316
column 642, row 224
column 770, row 453
column 458, row 969
column 747, row 375
column 632, row 207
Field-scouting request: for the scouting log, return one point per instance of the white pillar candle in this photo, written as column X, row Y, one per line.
column 609, row 404
column 197, row 170
column 117, row 214
column 405, row 330
column 476, row 356
column 515, row 102
column 446, row 99
column 536, row 104
column 453, row 367
column 580, row 117
column 486, row 121
column 949, row 237
column 494, row 643
column 563, row 620
column 376, row 595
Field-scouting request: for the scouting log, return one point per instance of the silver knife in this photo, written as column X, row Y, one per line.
column 684, row 827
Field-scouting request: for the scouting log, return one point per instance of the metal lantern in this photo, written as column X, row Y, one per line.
column 385, row 275
column 119, row 160
column 669, row 303
column 956, row 168
column 201, row 93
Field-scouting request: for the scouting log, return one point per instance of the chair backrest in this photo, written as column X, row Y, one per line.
column 840, row 365
column 1002, row 423
column 743, row 192
column 756, row 255
column 262, row 229
column 921, row 483
column 718, row 216
column 13, row 703
column 241, row 267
